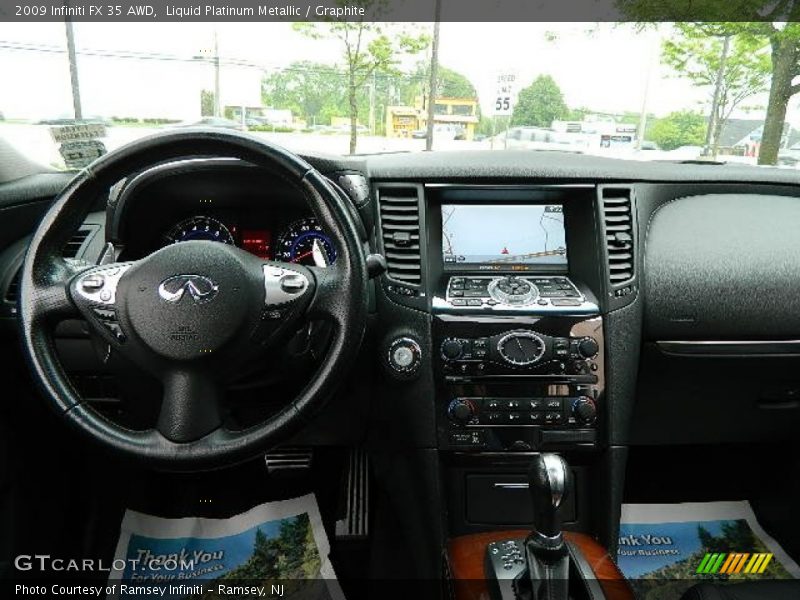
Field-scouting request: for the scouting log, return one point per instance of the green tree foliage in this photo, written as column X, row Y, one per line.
column 367, row 48
column 731, row 67
column 540, row 103
column 313, row 90
column 206, row 103
column 779, row 22
column 292, row 554
column 681, row 128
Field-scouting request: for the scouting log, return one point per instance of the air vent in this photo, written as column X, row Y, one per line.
column 619, row 232
column 13, row 288
column 399, row 209
column 74, row 245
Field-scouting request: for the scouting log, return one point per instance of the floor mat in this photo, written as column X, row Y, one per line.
column 274, row 550
column 666, row 548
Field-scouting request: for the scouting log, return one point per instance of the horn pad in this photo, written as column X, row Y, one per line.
column 189, row 300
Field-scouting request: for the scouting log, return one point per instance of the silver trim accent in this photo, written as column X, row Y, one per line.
column 355, row 522
column 520, row 334
column 511, row 299
column 274, row 291
column 415, row 349
column 202, row 289
column 512, row 486
column 583, row 307
column 594, row 328
column 557, row 475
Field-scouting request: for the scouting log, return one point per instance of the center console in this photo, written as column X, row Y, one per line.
column 518, row 342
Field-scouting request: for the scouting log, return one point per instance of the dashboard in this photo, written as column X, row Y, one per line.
column 530, row 302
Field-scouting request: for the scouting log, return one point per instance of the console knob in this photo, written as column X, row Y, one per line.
column 452, row 348
column 588, row 347
column 584, row 410
column 461, row 410
column 404, row 356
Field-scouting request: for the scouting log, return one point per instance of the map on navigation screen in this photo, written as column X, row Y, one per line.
column 512, row 234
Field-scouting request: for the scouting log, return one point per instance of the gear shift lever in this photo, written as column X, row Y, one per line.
column 544, row 570
column 546, row 553
column 549, row 482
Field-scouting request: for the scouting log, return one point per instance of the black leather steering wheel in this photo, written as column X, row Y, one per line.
column 190, row 312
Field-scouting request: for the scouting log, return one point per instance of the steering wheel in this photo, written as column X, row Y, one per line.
column 190, row 312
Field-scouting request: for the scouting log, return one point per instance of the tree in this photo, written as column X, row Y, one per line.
column 206, row 103
column 367, row 49
column 777, row 21
column 312, row 90
column 682, row 128
column 731, row 66
column 540, row 103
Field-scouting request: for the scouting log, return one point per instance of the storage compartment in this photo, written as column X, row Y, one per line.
column 504, row 500
column 702, row 399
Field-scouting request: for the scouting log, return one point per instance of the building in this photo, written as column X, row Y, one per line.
column 451, row 116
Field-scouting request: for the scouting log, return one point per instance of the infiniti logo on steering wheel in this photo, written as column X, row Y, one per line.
column 201, row 289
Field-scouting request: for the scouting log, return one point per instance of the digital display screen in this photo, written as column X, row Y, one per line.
column 258, row 242
column 503, row 235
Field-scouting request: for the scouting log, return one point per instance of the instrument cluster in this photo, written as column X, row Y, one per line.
column 301, row 241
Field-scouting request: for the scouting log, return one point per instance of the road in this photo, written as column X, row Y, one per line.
column 35, row 142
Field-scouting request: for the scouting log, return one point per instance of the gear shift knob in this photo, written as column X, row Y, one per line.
column 549, row 482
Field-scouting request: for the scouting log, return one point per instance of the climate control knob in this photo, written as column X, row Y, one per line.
column 584, row 410
column 461, row 410
column 588, row 347
column 452, row 349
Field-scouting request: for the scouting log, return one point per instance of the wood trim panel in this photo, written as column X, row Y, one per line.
column 465, row 557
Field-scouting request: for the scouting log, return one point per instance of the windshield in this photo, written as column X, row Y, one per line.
column 683, row 92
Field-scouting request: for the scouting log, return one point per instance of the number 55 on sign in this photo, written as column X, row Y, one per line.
column 504, row 96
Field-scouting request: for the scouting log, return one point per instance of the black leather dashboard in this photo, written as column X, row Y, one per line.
column 723, row 266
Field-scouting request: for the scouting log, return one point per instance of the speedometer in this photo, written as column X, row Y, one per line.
column 305, row 243
column 199, row 228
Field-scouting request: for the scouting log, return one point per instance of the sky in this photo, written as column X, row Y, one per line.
column 601, row 66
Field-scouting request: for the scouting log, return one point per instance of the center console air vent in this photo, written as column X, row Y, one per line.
column 74, row 245
column 400, row 230
column 618, row 227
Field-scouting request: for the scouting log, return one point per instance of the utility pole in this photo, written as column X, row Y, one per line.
column 434, row 75
column 217, row 105
column 372, row 104
column 73, row 70
column 654, row 53
column 712, row 118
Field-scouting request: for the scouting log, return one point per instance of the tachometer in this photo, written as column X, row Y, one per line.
column 305, row 243
column 200, row 228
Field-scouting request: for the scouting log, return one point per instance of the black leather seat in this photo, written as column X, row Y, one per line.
column 750, row 590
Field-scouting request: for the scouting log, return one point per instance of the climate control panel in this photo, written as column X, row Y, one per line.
column 517, row 384
column 547, row 411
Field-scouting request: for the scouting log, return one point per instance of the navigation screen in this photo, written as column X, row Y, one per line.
column 508, row 234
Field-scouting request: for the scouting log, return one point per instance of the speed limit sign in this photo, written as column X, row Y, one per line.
column 504, row 96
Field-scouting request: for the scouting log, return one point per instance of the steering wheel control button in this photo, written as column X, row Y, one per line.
column 293, row 283
column 282, row 285
column 93, row 282
column 404, row 356
column 105, row 314
column 100, row 285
